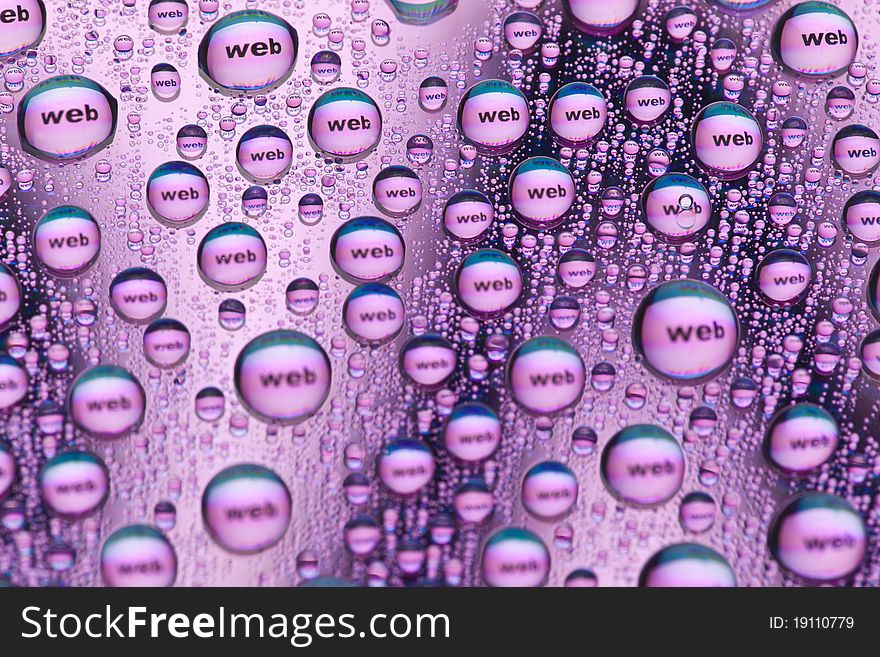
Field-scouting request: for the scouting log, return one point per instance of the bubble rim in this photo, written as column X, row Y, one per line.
column 6, row 269
column 80, row 455
column 734, row 11
column 73, row 273
column 391, row 171
column 290, row 334
column 375, row 288
column 73, row 79
column 664, row 237
column 343, row 157
column 568, row 142
column 457, row 197
column 190, row 169
column 457, row 288
column 406, row 443
column 33, row 44
column 873, row 335
column 774, row 303
column 852, row 201
column 637, row 342
column 443, row 8
column 483, row 149
column 144, row 530
column 172, row 324
column 872, row 289
column 237, row 287
column 442, row 341
column 519, row 534
column 776, row 38
column 596, row 33
column 778, row 416
column 118, row 372
column 252, row 469
column 202, row 52
column 787, row 508
column 360, row 281
column 277, row 133
column 508, row 372
column 6, row 447
column 703, row 550
column 555, row 466
column 637, row 121
column 852, row 127
column 726, row 176
column 647, row 429
column 151, row 318
column 540, row 225
column 459, row 407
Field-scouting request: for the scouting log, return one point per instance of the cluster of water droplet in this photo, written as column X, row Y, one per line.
column 551, row 291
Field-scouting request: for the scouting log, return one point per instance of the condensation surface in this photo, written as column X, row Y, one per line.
column 647, row 355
